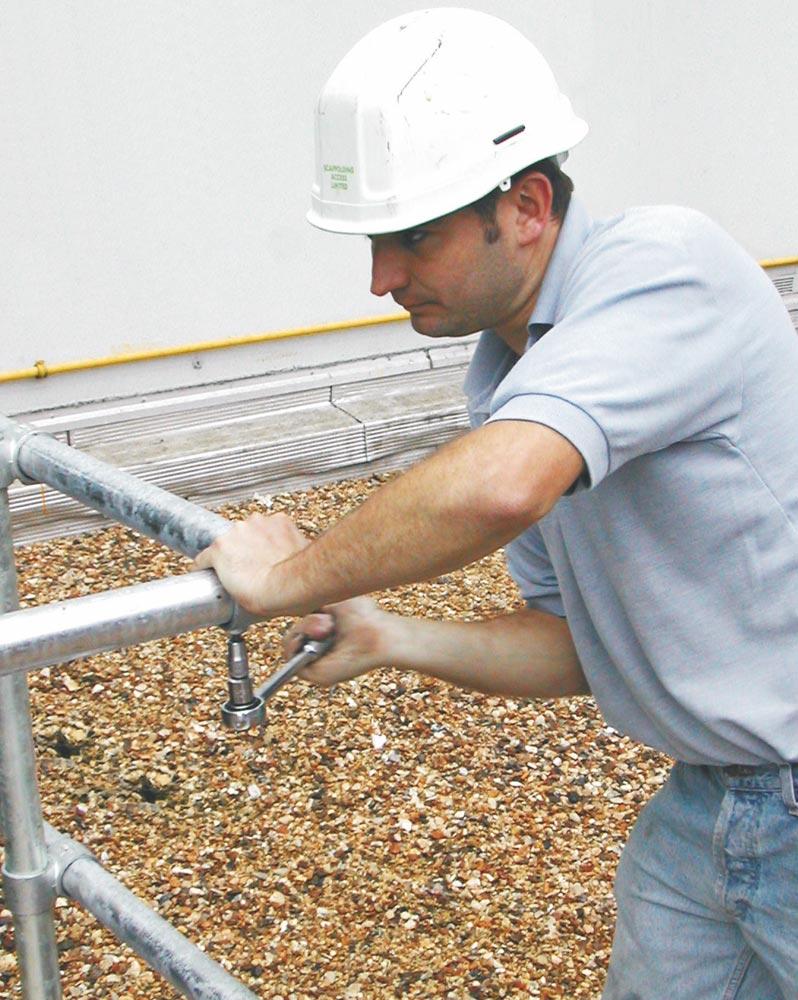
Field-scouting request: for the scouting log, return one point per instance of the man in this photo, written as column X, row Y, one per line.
column 634, row 396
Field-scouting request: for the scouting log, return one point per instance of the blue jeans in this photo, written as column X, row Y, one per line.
column 707, row 890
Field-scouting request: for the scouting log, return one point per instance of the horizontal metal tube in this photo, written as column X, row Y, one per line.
column 162, row 947
column 148, row 509
column 82, row 626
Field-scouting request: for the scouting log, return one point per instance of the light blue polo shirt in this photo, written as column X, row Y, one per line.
column 666, row 356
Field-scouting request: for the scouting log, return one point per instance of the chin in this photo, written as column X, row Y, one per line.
column 424, row 325
column 427, row 326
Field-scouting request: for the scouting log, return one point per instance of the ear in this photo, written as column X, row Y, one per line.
column 529, row 200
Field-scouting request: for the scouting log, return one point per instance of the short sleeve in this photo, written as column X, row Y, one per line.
column 638, row 357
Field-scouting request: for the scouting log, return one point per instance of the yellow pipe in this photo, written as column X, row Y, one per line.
column 779, row 262
column 42, row 370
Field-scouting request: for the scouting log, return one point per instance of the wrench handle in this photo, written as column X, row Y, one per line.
column 311, row 650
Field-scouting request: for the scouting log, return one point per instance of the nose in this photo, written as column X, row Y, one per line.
column 389, row 270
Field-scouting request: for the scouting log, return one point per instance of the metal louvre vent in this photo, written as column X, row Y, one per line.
column 784, row 277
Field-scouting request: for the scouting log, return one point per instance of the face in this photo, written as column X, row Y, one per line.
column 447, row 276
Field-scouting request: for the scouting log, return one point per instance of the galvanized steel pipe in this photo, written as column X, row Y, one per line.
column 37, row 637
column 82, row 626
column 25, row 861
column 146, row 508
column 80, row 876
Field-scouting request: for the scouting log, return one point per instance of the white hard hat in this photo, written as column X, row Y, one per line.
column 427, row 113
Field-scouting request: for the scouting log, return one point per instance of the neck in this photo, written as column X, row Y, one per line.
column 514, row 331
column 515, row 339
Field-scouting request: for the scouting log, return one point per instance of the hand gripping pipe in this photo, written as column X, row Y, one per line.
column 153, row 512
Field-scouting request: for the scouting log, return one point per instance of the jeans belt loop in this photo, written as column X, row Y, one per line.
column 788, row 787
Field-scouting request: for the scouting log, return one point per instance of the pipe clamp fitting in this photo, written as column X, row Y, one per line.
column 31, row 894
column 12, row 437
column 63, row 852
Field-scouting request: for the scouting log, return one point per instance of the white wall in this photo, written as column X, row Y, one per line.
column 156, row 159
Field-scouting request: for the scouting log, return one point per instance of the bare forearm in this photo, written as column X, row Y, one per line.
column 444, row 513
column 528, row 654
column 414, row 528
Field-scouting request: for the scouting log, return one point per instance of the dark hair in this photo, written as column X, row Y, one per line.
column 561, row 185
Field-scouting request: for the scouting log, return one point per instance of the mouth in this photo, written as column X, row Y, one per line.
column 413, row 306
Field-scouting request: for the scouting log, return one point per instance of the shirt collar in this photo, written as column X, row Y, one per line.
column 573, row 232
column 492, row 358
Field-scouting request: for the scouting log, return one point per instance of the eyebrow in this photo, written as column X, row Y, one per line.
column 399, row 233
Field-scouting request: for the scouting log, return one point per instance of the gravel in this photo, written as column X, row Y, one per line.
column 393, row 837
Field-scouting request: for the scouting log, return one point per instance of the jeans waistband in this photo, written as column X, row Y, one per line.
column 764, row 777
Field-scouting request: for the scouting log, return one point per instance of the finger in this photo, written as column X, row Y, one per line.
column 332, row 668
column 315, row 626
column 318, row 676
column 202, row 561
column 291, row 641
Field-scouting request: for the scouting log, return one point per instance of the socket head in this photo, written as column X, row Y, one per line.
column 240, row 717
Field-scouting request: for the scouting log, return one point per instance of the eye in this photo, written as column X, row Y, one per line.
column 412, row 238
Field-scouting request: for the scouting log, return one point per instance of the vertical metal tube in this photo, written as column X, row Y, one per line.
column 20, row 808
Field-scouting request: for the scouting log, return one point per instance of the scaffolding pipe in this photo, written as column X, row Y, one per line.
column 37, row 865
column 25, row 865
column 80, row 876
column 146, row 508
column 82, row 626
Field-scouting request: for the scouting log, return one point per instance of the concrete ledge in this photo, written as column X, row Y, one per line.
column 265, row 435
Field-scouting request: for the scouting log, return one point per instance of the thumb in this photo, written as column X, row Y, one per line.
column 318, row 625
